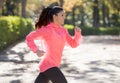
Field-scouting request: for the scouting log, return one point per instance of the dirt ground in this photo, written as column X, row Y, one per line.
column 96, row 60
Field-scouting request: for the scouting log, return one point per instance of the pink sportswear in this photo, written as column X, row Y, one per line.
column 55, row 38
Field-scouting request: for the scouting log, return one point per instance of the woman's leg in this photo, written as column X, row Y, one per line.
column 55, row 75
column 41, row 79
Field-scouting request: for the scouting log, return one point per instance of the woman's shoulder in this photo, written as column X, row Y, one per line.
column 64, row 29
column 43, row 30
column 47, row 29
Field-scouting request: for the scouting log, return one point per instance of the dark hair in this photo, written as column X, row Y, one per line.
column 46, row 16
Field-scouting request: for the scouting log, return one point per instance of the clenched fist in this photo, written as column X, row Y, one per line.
column 77, row 29
column 40, row 53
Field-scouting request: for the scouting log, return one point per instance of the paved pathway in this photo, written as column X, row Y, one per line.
column 96, row 60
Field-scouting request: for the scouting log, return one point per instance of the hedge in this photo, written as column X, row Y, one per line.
column 95, row 31
column 101, row 31
column 13, row 28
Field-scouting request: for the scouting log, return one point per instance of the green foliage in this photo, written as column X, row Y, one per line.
column 69, row 28
column 101, row 31
column 95, row 31
column 13, row 28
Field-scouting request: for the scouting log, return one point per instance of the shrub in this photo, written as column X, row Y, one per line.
column 13, row 28
column 70, row 28
column 101, row 31
column 95, row 31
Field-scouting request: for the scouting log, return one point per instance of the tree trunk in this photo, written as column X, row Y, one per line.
column 96, row 14
column 103, row 14
column 9, row 8
column 24, row 8
column 1, row 6
column 1, row 3
column 108, row 16
column 73, row 16
column 82, row 16
column 61, row 2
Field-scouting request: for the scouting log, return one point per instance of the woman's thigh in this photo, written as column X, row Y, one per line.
column 41, row 78
column 55, row 75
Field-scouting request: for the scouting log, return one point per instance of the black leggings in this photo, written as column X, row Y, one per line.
column 53, row 74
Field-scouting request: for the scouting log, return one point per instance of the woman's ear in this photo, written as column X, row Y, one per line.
column 54, row 18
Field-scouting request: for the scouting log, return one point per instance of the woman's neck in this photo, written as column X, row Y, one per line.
column 56, row 23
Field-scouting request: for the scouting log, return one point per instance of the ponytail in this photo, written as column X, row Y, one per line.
column 45, row 18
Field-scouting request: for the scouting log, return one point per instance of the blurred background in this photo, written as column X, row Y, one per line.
column 100, row 24
column 94, row 17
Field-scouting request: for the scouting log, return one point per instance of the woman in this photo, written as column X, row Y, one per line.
column 49, row 28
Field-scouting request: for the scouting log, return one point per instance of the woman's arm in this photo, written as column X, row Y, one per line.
column 74, row 42
column 40, row 33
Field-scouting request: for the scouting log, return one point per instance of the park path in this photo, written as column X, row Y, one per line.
column 96, row 60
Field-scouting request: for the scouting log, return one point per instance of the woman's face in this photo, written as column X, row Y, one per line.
column 59, row 18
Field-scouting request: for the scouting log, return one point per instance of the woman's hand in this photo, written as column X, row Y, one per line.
column 40, row 53
column 77, row 29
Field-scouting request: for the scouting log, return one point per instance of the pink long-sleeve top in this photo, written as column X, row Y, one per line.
column 55, row 38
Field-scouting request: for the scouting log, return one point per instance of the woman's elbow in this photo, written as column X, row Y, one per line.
column 75, row 45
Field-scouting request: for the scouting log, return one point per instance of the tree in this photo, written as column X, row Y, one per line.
column 1, row 6
column 96, row 16
column 105, row 14
column 115, row 15
column 24, row 8
column 10, row 7
column 94, row 13
column 61, row 2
